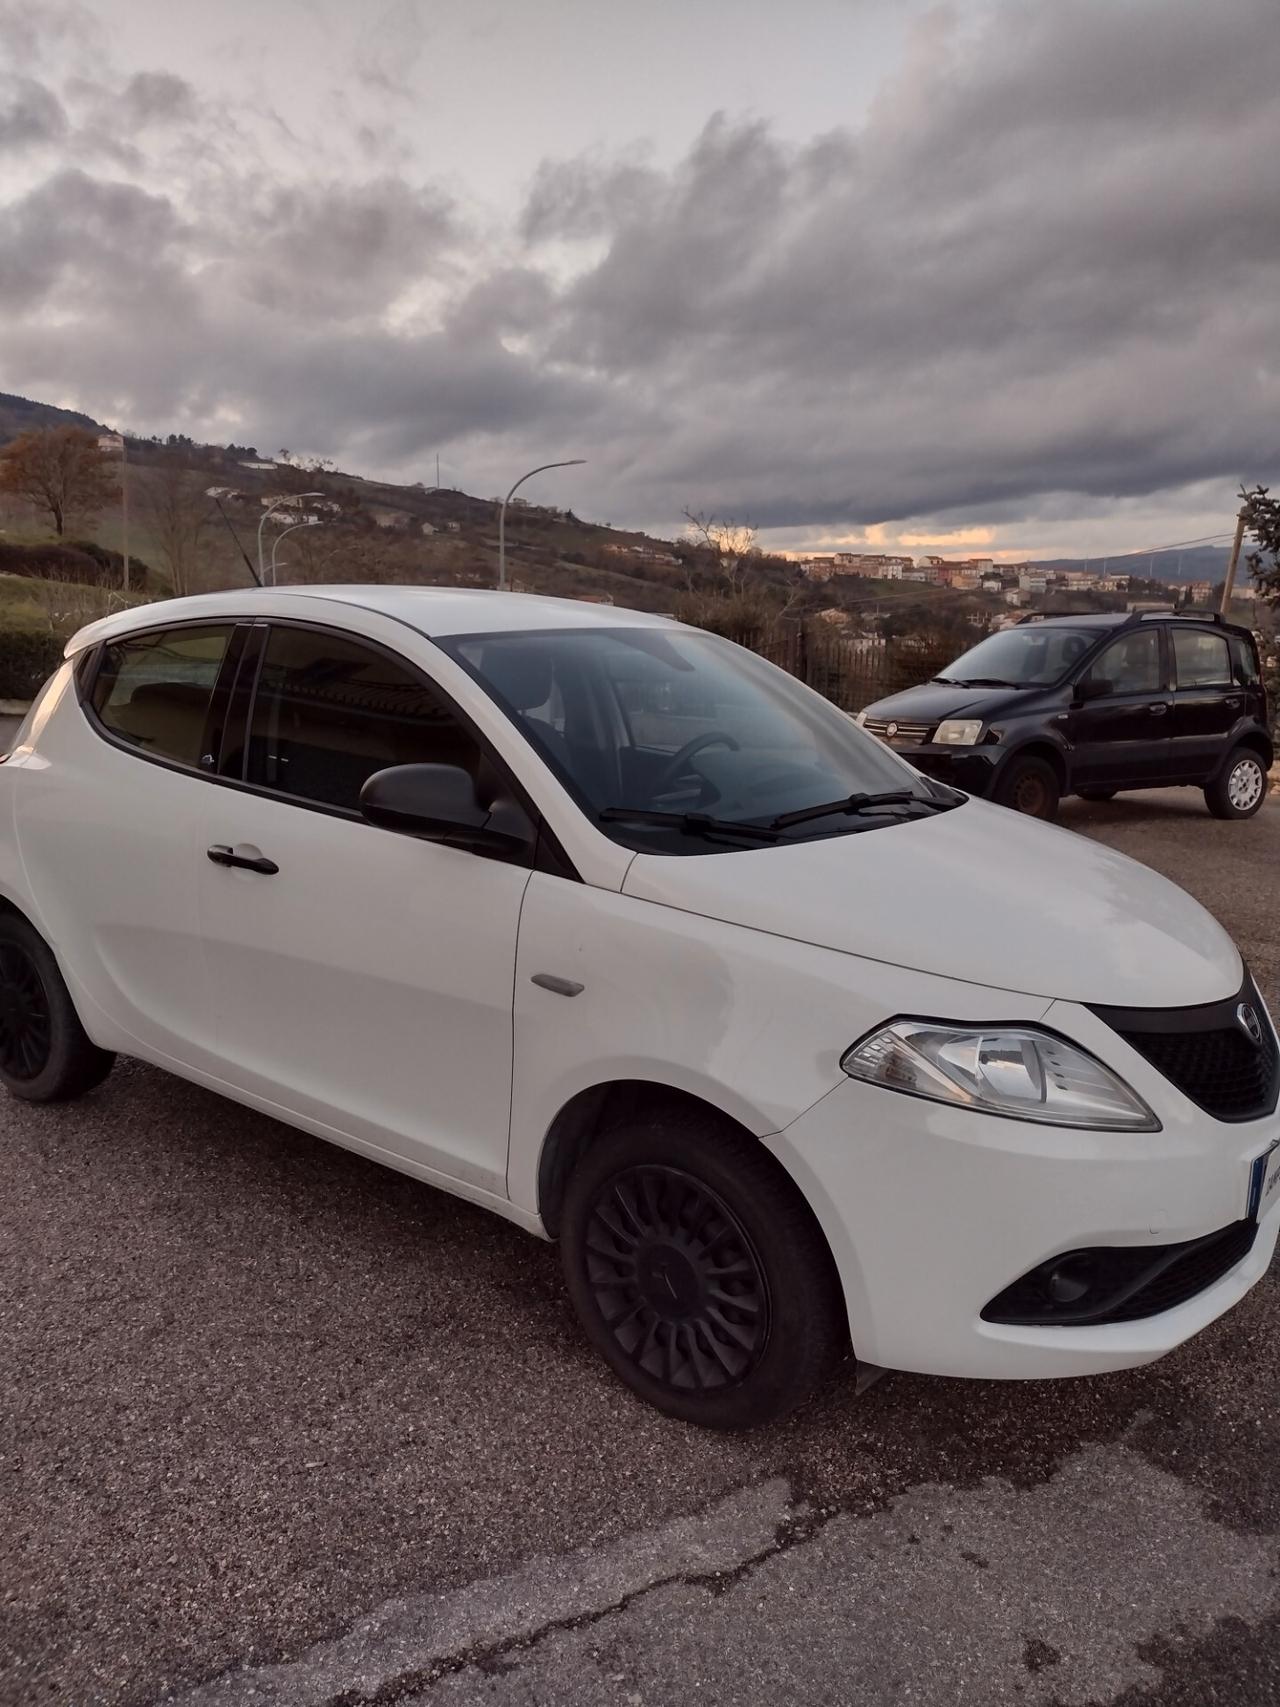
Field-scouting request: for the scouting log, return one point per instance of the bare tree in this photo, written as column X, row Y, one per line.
column 732, row 542
column 178, row 514
column 61, row 471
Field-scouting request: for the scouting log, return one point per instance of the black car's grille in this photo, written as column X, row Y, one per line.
column 1208, row 1053
column 904, row 734
column 1121, row 1283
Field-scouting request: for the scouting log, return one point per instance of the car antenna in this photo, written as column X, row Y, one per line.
column 248, row 562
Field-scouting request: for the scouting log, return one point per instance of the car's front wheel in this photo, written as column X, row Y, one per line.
column 1240, row 788
column 699, row 1272
column 1029, row 785
column 45, row 1055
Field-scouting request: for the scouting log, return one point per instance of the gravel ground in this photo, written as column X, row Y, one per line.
column 264, row 1404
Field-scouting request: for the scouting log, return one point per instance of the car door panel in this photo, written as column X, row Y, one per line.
column 109, row 838
column 1206, row 703
column 366, row 983
column 361, row 977
column 1122, row 737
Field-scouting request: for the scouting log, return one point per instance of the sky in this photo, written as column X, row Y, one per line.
column 998, row 277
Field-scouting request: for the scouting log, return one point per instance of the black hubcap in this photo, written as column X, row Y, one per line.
column 24, row 1015
column 677, row 1280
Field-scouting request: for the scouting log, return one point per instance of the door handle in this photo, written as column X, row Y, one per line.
column 221, row 855
column 1158, row 709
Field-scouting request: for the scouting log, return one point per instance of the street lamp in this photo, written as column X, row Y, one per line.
column 573, row 462
column 284, row 498
column 284, row 534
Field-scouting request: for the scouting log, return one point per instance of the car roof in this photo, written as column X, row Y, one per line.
column 432, row 611
column 1117, row 619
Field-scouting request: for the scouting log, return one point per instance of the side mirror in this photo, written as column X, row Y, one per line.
column 440, row 803
column 1093, row 687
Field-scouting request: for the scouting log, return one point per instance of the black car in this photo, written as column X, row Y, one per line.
column 1091, row 705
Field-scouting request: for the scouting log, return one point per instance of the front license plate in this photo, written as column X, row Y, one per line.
column 1264, row 1182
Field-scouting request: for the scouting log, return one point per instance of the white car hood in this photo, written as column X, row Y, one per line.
column 978, row 893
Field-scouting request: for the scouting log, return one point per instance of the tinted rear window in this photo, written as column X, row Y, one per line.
column 153, row 690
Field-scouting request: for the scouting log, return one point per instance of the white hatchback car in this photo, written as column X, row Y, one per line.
column 616, row 929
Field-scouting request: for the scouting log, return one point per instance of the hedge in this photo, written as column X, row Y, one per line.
column 27, row 658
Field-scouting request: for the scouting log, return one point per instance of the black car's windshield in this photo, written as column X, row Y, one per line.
column 1030, row 656
column 670, row 737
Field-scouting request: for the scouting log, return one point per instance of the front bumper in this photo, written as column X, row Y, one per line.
column 932, row 1212
column 972, row 769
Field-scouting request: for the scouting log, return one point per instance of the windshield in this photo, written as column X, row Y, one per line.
column 680, row 724
column 1032, row 656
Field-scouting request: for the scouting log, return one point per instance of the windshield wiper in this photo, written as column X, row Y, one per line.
column 689, row 823
column 985, row 682
column 855, row 803
column 951, row 681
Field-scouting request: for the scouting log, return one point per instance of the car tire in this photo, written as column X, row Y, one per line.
column 1097, row 793
column 699, row 1272
column 45, row 1055
column 1240, row 787
column 1030, row 786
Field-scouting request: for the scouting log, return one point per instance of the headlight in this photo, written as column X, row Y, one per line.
column 1015, row 1071
column 860, row 719
column 959, row 732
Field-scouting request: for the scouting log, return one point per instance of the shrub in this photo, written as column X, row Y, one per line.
column 27, row 658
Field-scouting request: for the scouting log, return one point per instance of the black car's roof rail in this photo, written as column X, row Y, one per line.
column 1134, row 618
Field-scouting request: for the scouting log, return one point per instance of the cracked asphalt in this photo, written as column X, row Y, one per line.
column 280, row 1427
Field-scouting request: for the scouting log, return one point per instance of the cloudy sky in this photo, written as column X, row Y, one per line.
column 999, row 275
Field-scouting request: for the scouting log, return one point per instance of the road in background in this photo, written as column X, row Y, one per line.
column 255, row 1390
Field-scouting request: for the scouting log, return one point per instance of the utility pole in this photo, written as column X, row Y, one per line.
column 437, row 471
column 1228, row 586
column 124, row 511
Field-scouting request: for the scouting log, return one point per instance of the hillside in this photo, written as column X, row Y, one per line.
column 18, row 414
column 1196, row 563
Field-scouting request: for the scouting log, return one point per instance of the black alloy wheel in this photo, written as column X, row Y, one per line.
column 26, row 1026
column 676, row 1279
column 45, row 1053
column 698, row 1270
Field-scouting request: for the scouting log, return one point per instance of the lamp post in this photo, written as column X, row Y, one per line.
column 284, row 498
column 284, row 534
column 573, row 462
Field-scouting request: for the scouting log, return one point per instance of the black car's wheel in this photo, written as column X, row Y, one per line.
column 1029, row 785
column 699, row 1272
column 1240, row 788
column 45, row 1055
column 1097, row 793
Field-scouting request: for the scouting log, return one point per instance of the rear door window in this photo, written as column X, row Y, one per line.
column 153, row 690
column 1201, row 659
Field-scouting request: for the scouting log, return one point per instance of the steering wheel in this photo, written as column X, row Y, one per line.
column 678, row 763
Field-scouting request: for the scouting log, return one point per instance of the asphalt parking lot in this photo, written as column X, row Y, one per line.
column 280, row 1427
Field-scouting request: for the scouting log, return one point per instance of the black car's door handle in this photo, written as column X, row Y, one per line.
column 1158, row 709
column 221, row 855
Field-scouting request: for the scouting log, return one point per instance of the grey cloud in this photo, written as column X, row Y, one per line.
column 158, row 97
column 1044, row 270
column 1049, row 262
column 76, row 240
column 30, row 114
column 338, row 250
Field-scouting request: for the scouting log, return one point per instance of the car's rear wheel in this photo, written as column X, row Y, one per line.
column 1240, row 788
column 699, row 1272
column 45, row 1055
column 1029, row 785
column 1097, row 793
